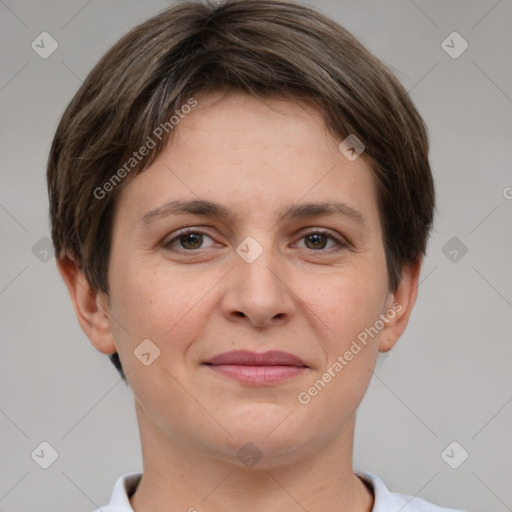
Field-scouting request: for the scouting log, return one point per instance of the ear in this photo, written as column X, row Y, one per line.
column 91, row 306
column 399, row 306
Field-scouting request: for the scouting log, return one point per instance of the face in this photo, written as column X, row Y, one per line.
column 253, row 232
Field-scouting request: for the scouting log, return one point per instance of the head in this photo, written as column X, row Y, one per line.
column 229, row 118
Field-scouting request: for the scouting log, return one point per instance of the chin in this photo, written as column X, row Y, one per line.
column 263, row 444
column 262, row 453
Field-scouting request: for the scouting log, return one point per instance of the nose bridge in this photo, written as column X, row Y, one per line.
column 259, row 268
column 258, row 291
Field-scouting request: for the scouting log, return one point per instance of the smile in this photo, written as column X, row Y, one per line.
column 257, row 368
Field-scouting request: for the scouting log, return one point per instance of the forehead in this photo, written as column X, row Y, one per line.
column 241, row 151
column 240, row 123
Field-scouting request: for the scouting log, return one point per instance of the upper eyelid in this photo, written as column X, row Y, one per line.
column 339, row 239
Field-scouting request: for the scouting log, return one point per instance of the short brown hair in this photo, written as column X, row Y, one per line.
column 264, row 48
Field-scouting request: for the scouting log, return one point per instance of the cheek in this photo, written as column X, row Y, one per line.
column 347, row 306
column 348, row 302
column 167, row 307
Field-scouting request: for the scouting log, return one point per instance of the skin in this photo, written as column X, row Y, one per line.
column 196, row 297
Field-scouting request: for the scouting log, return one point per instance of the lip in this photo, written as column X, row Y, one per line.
column 249, row 358
column 257, row 368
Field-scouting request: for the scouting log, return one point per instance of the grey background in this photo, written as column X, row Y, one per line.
column 449, row 377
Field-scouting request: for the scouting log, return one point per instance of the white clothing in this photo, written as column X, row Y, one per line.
column 385, row 500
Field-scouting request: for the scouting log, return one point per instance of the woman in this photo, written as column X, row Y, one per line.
column 240, row 200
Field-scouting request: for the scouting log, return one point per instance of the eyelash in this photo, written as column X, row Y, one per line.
column 199, row 231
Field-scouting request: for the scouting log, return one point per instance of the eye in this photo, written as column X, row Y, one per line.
column 318, row 241
column 189, row 239
column 193, row 239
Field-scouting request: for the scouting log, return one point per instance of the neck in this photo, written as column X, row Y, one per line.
column 178, row 476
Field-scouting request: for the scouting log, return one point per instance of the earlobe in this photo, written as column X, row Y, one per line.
column 399, row 307
column 90, row 306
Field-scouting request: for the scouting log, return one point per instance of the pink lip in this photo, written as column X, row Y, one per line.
column 257, row 368
column 248, row 358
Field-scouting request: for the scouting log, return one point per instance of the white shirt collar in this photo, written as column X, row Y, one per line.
column 385, row 500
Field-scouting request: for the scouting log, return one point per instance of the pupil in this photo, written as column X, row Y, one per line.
column 194, row 239
column 191, row 239
column 317, row 240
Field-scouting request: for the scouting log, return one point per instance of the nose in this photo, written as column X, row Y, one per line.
column 257, row 294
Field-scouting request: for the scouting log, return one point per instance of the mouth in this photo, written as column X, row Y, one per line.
column 257, row 368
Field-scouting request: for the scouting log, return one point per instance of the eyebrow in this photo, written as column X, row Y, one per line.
column 211, row 209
